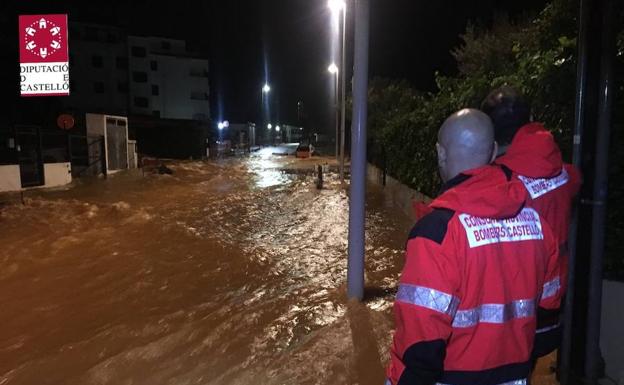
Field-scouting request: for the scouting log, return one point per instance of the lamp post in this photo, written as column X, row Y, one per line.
column 357, row 196
column 336, row 6
column 333, row 69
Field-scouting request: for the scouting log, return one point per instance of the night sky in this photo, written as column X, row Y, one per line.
column 287, row 42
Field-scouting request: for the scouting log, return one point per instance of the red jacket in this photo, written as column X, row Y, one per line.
column 535, row 159
column 476, row 268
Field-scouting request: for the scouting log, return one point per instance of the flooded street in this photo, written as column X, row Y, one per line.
column 226, row 272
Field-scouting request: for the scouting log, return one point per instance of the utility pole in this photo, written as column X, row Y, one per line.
column 357, row 207
column 343, row 76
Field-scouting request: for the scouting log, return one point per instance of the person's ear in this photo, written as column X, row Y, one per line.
column 494, row 152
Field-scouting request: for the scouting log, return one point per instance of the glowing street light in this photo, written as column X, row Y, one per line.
column 333, row 68
column 269, row 126
column 266, row 88
column 223, row 124
column 277, row 128
column 336, row 5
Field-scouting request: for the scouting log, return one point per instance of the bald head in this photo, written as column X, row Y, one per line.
column 465, row 141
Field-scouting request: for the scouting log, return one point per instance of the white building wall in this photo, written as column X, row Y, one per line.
column 57, row 174
column 10, row 178
column 176, row 86
column 183, row 88
column 139, row 66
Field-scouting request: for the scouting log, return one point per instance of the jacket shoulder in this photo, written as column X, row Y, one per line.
column 432, row 226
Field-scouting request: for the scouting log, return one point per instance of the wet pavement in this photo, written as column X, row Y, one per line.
column 226, row 272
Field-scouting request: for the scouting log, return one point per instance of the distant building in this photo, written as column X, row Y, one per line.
column 156, row 82
column 113, row 73
column 98, row 65
column 166, row 81
column 241, row 135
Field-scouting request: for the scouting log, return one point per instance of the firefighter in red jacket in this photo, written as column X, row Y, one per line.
column 476, row 268
column 530, row 152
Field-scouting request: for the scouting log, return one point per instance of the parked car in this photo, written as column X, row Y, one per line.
column 304, row 151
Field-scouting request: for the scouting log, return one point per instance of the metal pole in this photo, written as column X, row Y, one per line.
column 579, row 121
column 601, row 175
column 343, row 68
column 357, row 209
column 336, row 112
column 262, row 114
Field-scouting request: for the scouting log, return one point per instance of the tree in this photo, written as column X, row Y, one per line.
column 536, row 56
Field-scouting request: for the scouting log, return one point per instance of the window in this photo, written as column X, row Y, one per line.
column 165, row 45
column 98, row 87
column 139, row 77
column 154, row 65
column 140, row 102
column 121, row 62
column 97, row 61
column 155, row 90
column 122, row 87
column 138, row 51
column 196, row 95
column 156, row 113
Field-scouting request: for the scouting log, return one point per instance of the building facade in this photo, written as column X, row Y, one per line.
column 113, row 73
column 166, row 81
column 98, row 65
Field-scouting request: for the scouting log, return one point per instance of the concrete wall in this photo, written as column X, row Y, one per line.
column 96, row 124
column 57, row 174
column 401, row 195
column 10, row 178
column 612, row 323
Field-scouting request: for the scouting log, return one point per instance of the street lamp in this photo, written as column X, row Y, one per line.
column 277, row 128
column 333, row 69
column 265, row 105
column 336, row 5
column 269, row 126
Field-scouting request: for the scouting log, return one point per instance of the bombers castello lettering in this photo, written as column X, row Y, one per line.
column 482, row 231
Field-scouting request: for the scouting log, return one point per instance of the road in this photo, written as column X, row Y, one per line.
column 226, row 272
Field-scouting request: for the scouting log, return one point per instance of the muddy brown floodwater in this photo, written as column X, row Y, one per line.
column 229, row 272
